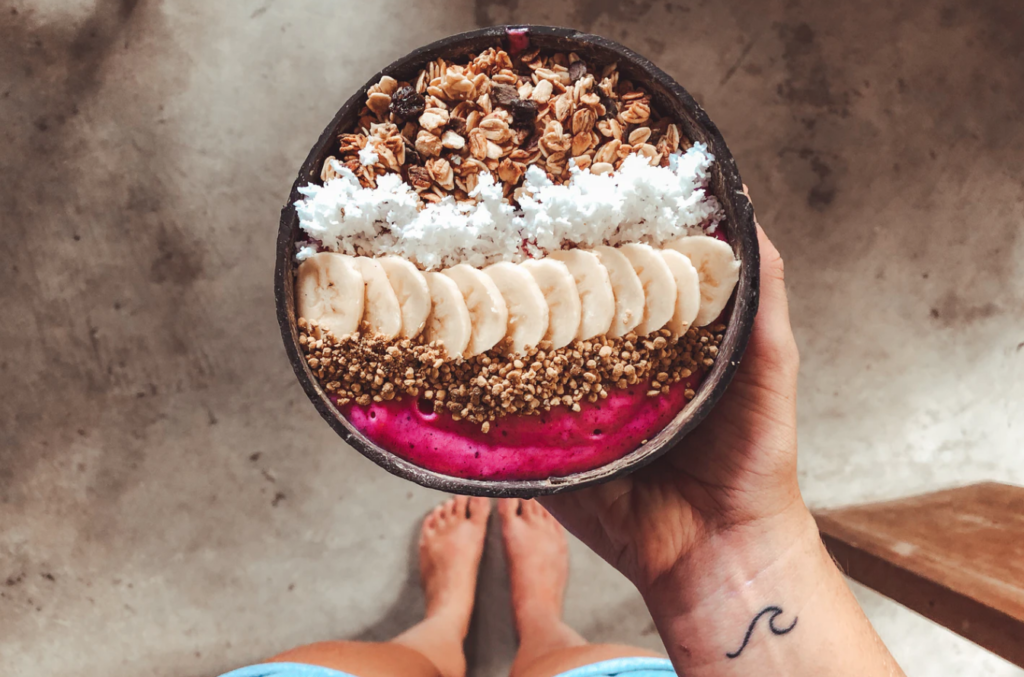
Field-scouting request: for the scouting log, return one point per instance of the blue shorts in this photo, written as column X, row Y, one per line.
column 626, row 667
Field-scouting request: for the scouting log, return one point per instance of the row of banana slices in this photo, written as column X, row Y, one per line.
column 571, row 294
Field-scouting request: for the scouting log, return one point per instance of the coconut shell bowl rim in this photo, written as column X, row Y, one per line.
column 669, row 98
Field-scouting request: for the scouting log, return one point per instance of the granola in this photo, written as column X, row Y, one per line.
column 499, row 114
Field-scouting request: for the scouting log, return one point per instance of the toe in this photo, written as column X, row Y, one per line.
column 479, row 509
column 430, row 522
column 529, row 511
column 508, row 508
column 450, row 507
column 440, row 515
column 460, row 507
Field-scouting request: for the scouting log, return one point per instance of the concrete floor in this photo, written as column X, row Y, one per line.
column 170, row 504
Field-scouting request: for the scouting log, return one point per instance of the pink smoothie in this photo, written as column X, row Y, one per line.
column 556, row 443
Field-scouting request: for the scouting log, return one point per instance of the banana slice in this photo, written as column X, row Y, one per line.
column 629, row 293
column 487, row 309
column 382, row 314
column 412, row 291
column 718, row 269
column 595, row 288
column 559, row 289
column 329, row 290
column 448, row 322
column 687, row 291
column 659, row 286
column 527, row 309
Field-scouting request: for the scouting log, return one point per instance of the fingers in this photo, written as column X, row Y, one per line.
column 567, row 509
column 580, row 513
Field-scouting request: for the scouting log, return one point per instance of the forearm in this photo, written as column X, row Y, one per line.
column 768, row 604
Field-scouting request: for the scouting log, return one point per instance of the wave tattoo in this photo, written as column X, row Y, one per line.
column 775, row 613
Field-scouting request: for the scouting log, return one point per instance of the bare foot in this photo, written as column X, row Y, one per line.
column 451, row 543
column 538, row 561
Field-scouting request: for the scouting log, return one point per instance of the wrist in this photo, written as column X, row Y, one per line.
column 704, row 605
column 734, row 559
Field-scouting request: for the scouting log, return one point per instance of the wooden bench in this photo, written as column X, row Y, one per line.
column 956, row 557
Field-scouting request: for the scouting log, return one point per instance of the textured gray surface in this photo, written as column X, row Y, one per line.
column 169, row 502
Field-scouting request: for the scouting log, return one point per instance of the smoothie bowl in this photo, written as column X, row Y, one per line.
column 518, row 261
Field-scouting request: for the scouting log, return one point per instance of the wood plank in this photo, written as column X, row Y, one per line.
column 955, row 556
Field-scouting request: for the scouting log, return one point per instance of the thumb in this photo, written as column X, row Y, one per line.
column 772, row 344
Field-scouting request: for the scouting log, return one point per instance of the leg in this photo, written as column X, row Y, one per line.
column 363, row 659
column 538, row 567
column 451, row 543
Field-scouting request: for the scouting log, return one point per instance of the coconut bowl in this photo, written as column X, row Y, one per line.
column 670, row 99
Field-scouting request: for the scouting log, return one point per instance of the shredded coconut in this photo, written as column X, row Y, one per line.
column 636, row 203
column 367, row 155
